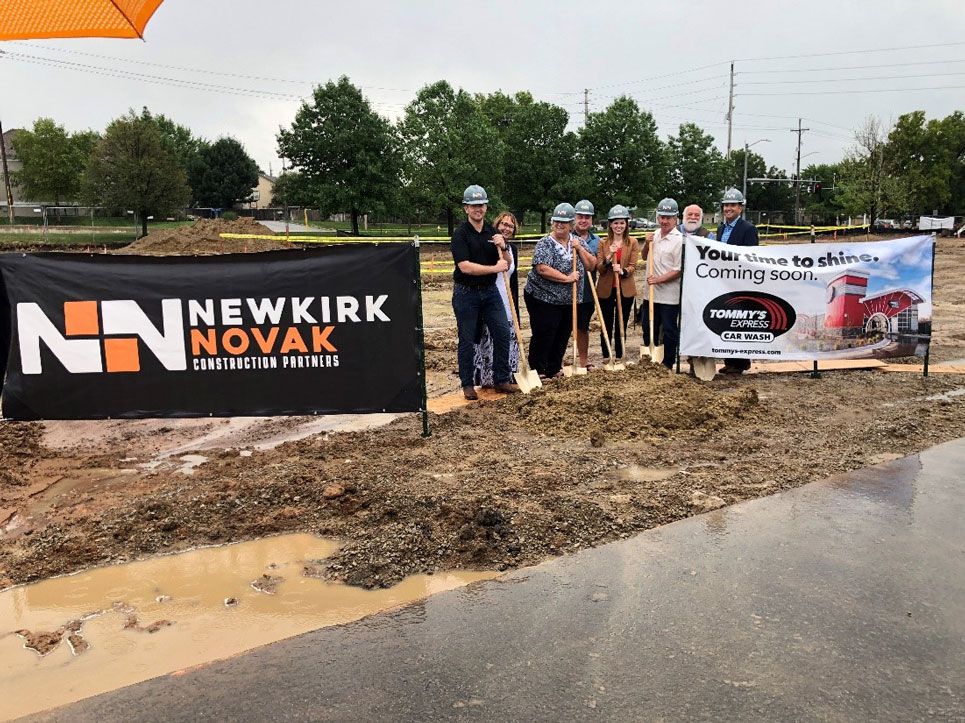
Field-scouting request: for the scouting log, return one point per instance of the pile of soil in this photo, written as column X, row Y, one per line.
column 441, row 350
column 202, row 239
column 19, row 446
column 617, row 407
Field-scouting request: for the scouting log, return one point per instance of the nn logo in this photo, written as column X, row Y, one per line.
column 101, row 336
column 749, row 316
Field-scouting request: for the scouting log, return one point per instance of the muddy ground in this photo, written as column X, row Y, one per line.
column 499, row 483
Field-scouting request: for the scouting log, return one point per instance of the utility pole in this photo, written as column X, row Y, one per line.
column 6, row 176
column 730, row 111
column 586, row 106
column 746, row 149
column 797, row 175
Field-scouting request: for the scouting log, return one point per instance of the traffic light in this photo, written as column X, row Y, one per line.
column 817, row 189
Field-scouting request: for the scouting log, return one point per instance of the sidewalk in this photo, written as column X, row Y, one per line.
column 843, row 600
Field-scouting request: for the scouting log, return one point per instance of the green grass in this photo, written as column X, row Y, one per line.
column 19, row 240
column 378, row 229
column 85, row 221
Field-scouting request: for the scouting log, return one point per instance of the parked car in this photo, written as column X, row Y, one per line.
column 884, row 224
column 642, row 223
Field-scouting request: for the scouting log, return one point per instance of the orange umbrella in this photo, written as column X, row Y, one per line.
column 26, row 19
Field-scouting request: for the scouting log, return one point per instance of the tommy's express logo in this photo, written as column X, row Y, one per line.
column 749, row 316
column 202, row 334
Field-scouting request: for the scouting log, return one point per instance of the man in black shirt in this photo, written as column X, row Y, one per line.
column 477, row 251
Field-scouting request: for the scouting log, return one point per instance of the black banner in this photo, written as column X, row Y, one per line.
column 287, row 332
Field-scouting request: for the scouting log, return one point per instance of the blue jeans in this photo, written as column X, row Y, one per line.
column 472, row 305
column 667, row 315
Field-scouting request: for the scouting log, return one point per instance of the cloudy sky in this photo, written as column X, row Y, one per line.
column 239, row 68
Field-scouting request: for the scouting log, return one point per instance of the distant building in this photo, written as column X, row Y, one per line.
column 261, row 194
column 13, row 165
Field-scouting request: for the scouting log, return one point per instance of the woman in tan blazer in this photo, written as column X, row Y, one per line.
column 616, row 259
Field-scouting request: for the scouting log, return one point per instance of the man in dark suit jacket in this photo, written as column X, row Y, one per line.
column 735, row 231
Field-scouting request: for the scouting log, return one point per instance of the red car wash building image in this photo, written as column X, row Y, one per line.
column 850, row 312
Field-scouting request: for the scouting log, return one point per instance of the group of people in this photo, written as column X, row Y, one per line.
column 570, row 262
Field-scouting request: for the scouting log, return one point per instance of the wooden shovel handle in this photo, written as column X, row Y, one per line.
column 650, row 293
column 523, row 362
column 599, row 314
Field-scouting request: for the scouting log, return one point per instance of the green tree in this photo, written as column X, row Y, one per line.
column 292, row 189
column 131, row 169
column 824, row 205
column 226, row 174
column 920, row 163
column 770, row 199
column 180, row 141
column 699, row 172
column 540, row 156
column 447, row 144
column 623, row 157
column 344, row 150
column 53, row 161
column 953, row 133
column 865, row 186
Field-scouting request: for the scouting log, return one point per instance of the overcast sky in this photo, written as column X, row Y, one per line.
column 672, row 57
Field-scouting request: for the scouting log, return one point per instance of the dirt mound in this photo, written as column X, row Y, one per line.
column 19, row 445
column 643, row 401
column 203, row 238
column 441, row 350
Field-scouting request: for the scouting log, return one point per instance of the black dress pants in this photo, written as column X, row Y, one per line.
column 608, row 310
column 551, row 325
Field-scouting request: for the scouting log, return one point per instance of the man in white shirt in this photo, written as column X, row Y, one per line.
column 667, row 250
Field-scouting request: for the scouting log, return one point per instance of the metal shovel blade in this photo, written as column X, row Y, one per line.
column 656, row 354
column 573, row 370
column 527, row 380
column 705, row 367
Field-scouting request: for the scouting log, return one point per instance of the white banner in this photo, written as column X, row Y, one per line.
column 807, row 301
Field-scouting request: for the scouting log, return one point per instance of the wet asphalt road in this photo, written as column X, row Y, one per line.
column 843, row 600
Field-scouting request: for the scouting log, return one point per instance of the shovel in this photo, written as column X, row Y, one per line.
column 526, row 378
column 620, row 328
column 576, row 369
column 610, row 366
column 705, row 367
column 654, row 353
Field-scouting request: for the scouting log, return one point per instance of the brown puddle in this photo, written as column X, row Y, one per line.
column 110, row 627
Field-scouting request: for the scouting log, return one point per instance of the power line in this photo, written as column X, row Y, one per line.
column 164, row 80
column 853, row 52
column 160, row 80
column 847, row 80
column 851, row 67
column 663, row 87
column 852, row 92
column 658, row 77
column 188, row 69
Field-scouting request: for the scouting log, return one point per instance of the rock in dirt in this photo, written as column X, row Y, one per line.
column 332, row 492
column 702, row 502
column 41, row 643
column 267, row 584
column 132, row 624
